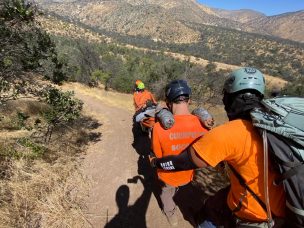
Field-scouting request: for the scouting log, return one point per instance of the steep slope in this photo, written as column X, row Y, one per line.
column 288, row 25
column 136, row 20
column 158, row 20
column 167, row 20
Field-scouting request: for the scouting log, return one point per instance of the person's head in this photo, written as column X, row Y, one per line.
column 177, row 92
column 139, row 85
column 243, row 91
column 122, row 196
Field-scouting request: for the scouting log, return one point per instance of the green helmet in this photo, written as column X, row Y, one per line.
column 244, row 79
column 141, row 85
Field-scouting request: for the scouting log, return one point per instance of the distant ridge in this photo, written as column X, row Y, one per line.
column 168, row 20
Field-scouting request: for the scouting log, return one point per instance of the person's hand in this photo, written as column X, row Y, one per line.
column 209, row 123
column 152, row 160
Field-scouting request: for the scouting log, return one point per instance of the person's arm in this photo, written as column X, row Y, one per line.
column 134, row 102
column 186, row 160
column 153, row 99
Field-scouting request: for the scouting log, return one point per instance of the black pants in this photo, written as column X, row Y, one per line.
column 216, row 210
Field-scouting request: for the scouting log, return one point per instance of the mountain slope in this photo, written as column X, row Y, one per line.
column 122, row 17
column 288, row 25
column 167, row 20
column 243, row 16
column 158, row 20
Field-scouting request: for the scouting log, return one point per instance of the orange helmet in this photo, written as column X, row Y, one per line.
column 137, row 82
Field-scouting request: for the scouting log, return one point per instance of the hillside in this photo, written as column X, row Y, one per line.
column 274, row 56
column 42, row 129
column 121, row 17
column 243, row 15
column 60, row 28
column 288, row 25
column 169, row 20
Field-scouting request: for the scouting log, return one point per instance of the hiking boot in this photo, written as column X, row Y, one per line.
column 172, row 219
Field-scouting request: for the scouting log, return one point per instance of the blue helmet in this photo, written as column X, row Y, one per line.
column 176, row 89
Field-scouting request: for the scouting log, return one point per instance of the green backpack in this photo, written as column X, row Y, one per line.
column 281, row 123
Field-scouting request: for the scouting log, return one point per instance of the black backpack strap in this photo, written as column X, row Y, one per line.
column 290, row 173
column 243, row 183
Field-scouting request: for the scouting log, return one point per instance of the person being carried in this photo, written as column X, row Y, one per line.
column 186, row 129
column 239, row 144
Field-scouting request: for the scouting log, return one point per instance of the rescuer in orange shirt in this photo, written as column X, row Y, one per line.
column 141, row 96
column 186, row 129
column 240, row 145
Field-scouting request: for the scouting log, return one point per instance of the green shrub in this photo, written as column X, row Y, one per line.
column 294, row 88
column 34, row 150
column 63, row 109
column 100, row 76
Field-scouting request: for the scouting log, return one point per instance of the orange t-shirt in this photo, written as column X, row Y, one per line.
column 238, row 143
column 186, row 129
column 140, row 99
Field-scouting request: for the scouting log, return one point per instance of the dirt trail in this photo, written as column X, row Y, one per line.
column 109, row 163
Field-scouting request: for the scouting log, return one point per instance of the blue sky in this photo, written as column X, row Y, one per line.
column 268, row 7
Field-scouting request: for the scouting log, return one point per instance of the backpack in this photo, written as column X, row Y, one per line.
column 281, row 123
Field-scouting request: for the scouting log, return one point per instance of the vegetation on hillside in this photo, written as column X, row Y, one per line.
column 118, row 67
column 274, row 56
column 42, row 131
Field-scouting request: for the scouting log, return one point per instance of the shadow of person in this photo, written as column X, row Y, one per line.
column 122, row 199
column 134, row 215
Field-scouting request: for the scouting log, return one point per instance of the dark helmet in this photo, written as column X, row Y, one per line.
column 245, row 78
column 176, row 89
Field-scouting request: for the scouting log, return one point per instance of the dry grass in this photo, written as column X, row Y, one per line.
column 42, row 195
column 41, row 185
column 115, row 99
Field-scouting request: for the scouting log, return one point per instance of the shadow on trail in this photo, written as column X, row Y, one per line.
column 135, row 215
column 188, row 198
column 142, row 145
